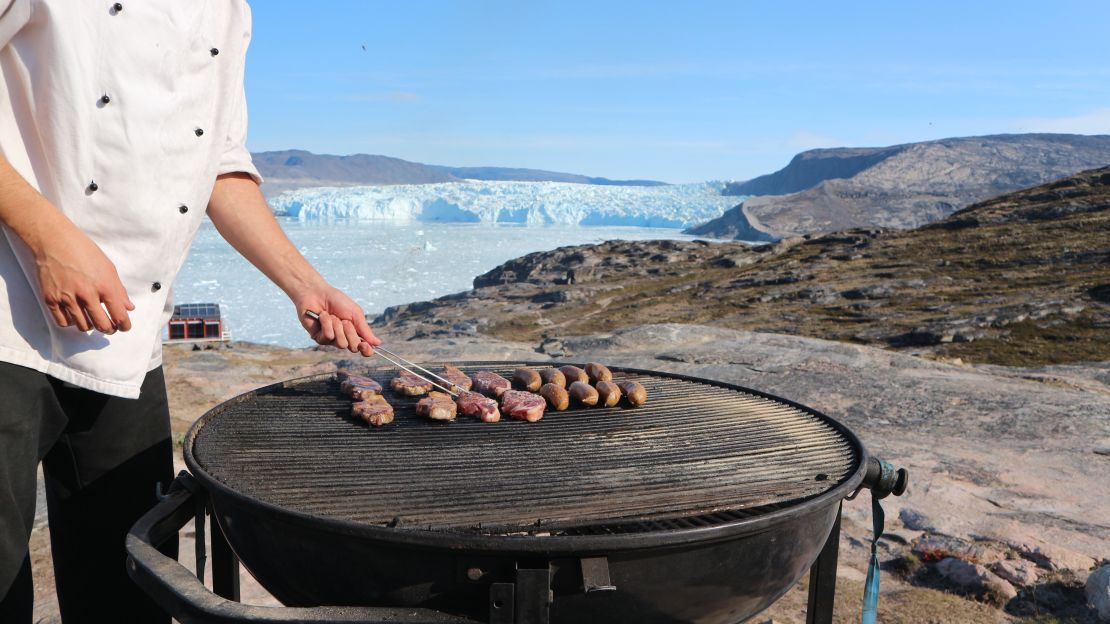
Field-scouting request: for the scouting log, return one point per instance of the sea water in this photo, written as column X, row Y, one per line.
column 377, row 263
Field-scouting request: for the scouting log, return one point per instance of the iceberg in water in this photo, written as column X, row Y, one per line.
column 526, row 203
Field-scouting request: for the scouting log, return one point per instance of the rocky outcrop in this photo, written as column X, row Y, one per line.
column 904, row 186
column 1018, row 572
column 734, row 224
column 1098, row 592
column 974, row 578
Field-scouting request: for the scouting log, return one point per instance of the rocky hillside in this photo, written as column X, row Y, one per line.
column 903, row 186
column 1021, row 279
column 290, row 169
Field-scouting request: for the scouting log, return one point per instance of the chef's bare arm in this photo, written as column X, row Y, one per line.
column 243, row 218
column 78, row 283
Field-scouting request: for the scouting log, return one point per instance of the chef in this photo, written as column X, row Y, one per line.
column 122, row 124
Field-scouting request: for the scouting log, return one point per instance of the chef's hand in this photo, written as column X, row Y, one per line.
column 80, row 285
column 342, row 322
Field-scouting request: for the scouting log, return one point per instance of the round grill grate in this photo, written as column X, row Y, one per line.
column 699, row 453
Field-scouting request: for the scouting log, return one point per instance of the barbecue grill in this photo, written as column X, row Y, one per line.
column 704, row 505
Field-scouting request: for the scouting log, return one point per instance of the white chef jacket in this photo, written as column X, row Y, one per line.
column 122, row 115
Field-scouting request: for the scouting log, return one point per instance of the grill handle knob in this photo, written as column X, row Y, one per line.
column 883, row 480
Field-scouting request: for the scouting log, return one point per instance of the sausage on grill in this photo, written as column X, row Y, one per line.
column 609, row 394
column 553, row 376
column 527, row 379
column 634, row 393
column 583, row 392
column 598, row 372
column 556, row 396
column 573, row 374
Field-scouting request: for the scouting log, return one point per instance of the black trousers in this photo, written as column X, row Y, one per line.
column 102, row 457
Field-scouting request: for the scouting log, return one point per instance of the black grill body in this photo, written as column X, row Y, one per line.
column 747, row 489
column 727, row 580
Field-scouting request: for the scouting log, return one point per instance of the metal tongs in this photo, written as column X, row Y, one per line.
column 393, row 358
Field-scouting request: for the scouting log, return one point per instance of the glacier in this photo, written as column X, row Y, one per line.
column 526, row 203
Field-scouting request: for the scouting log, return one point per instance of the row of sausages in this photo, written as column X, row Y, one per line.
column 560, row 386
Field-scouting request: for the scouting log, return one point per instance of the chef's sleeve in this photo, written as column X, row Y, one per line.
column 236, row 158
column 14, row 15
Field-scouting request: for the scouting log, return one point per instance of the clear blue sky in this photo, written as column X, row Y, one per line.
column 669, row 90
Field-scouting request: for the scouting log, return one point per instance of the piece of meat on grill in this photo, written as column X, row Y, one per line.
column 457, row 377
column 522, row 405
column 553, row 376
column 634, row 392
column 527, row 379
column 437, row 406
column 374, row 410
column 478, row 406
column 410, row 385
column 359, row 387
column 583, row 393
column 598, row 372
column 490, row 383
column 608, row 393
column 556, row 396
column 573, row 374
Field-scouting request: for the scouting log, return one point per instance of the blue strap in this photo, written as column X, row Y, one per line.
column 871, row 586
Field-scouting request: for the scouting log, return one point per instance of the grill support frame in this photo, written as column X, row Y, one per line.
column 822, row 577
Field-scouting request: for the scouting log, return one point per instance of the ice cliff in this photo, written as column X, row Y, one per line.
column 532, row 203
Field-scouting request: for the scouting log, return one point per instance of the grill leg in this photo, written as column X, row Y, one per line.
column 533, row 596
column 225, row 565
column 822, row 579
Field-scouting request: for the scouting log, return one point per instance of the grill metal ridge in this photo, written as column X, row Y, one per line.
column 846, row 448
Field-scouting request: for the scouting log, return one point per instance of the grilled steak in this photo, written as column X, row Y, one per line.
column 409, row 385
column 477, row 406
column 359, row 387
column 437, row 406
column 522, row 405
column 490, row 384
column 374, row 410
column 456, row 376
